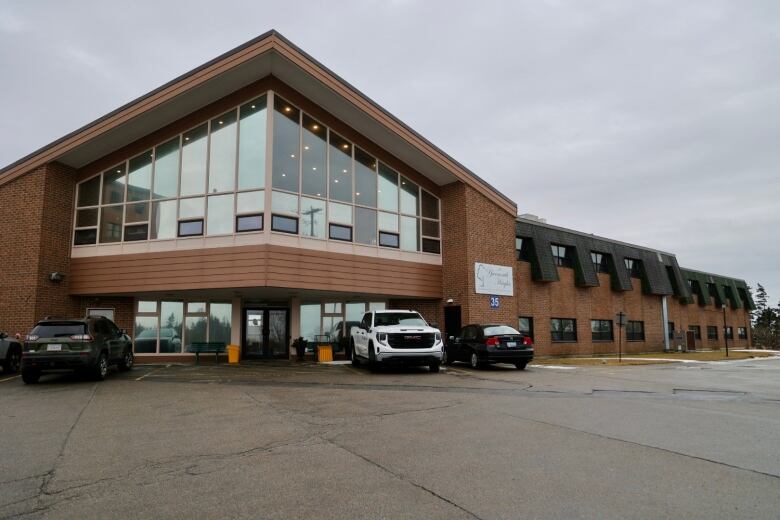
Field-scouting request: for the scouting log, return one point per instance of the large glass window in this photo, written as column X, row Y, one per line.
column 193, row 161
column 89, row 193
column 220, row 215
column 365, row 226
column 311, row 315
column 166, row 170
column 171, row 321
column 410, row 197
column 635, row 331
column 284, row 202
column 388, row 189
column 222, row 153
column 365, row 179
column 601, row 330
column 220, row 318
column 313, row 217
column 139, row 178
column 563, row 329
column 340, row 168
column 163, row 219
column 409, row 236
column 315, row 163
column 286, row 143
column 251, row 144
column 111, row 224
column 114, row 185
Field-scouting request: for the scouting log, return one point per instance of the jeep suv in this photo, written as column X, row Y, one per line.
column 395, row 337
column 85, row 345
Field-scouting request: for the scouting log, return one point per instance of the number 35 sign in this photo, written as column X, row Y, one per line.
column 494, row 302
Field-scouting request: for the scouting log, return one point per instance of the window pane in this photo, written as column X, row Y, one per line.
column 114, row 185
column 430, row 245
column 340, row 213
column 430, row 228
column 89, row 192
column 388, row 222
column 409, row 238
column 251, row 144
column 166, row 170
column 222, row 153
column 314, row 154
column 332, row 308
column 388, row 188
column 220, row 215
column 196, row 307
column 284, row 224
column 310, row 321
column 429, row 205
column 191, row 228
column 220, row 316
column 196, row 329
column 284, row 202
column 137, row 212
column 340, row 168
column 192, row 208
column 111, row 224
column 84, row 237
column 355, row 312
column 139, row 180
column 365, row 226
column 377, row 306
column 249, row 223
column 286, row 146
column 136, row 232
column 171, row 318
column 338, row 232
column 250, row 202
column 388, row 239
column 147, row 306
column 163, row 223
column 365, row 178
column 193, row 161
column 86, row 217
column 409, row 197
column 312, row 217
column 145, row 334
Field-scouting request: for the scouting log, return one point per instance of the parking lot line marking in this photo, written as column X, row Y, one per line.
column 8, row 379
column 146, row 374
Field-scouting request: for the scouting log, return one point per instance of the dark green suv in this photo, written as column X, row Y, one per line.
column 87, row 345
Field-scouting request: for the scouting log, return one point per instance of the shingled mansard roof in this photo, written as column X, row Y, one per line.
column 267, row 55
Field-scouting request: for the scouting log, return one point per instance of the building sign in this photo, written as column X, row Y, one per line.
column 493, row 279
column 494, row 302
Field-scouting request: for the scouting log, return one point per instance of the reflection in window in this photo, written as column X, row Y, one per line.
column 85, row 237
column 137, row 212
column 365, row 179
column 222, row 153
column 220, row 215
column 251, row 144
column 409, row 238
column 286, row 144
column 111, row 224
column 171, row 318
column 220, row 317
column 86, row 217
column 166, row 170
column 365, row 226
column 193, row 161
column 139, row 179
column 195, row 329
column 163, row 219
column 310, row 321
column 89, row 193
column 387, row 189
column 312, row 217
column 429, row 205
column 114, row 185
column 314, row 153
column 136, row 232
column 410, row 197
column 145, row 340
column 340, row 168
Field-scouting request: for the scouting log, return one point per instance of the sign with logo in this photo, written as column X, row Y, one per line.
column 493, row 279
column 494, row 302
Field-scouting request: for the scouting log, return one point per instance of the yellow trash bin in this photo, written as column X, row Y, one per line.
column 324, row 353
column 233, row 352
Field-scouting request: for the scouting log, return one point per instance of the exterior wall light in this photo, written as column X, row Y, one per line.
column 56, row 277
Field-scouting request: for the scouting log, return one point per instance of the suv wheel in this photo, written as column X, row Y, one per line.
column 127, row 361
column 101, row 367
column 434, row 367
column 12, row 361
column 30, row 377
column 474, row 360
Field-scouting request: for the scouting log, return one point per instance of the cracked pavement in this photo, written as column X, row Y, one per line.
column 282, row 440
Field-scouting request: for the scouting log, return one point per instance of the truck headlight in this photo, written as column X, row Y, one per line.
column 382, row 338
column 437, row 337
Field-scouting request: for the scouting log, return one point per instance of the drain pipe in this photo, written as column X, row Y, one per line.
column 665, row 317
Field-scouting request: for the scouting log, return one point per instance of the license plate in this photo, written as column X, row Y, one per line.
column 511, row 344
column 54, row 347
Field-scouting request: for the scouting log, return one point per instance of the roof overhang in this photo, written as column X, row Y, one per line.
column 269, row 54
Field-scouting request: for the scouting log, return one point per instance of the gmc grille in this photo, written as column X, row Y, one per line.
column 411, row 340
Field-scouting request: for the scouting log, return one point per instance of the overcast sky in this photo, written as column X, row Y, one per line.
column 656, row 123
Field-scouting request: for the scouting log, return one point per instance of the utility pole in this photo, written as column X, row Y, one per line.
column 311, row 212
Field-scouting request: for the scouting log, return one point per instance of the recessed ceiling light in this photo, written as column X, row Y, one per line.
column 319, row 195
column 284, row 175
column 305, row 147
column 287, row 109
column 186, row 138
column 345, row 146
column 220, row 122
column 314, row 168
column 292, row 155
column 315, row 127
column 357, row 193
column 119, row 171
column 336, row 180
column 345, row 171
column 253, row 106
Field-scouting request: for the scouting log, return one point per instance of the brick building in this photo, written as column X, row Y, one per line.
column 260, row 197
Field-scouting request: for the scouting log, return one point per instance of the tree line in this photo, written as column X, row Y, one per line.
column 765, row 321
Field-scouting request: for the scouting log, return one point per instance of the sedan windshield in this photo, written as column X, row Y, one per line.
column 58, row 330
column 410, row 319
column 500, row 330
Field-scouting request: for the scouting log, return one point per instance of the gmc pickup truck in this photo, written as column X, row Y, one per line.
column 395, row 337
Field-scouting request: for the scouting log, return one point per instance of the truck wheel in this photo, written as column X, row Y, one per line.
column 30, row 377
column 101, row 367
column 371, row 357
column 434, row 367
column 127, row 361
column 352, row 354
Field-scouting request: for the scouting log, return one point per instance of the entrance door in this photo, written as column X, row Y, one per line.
column 452, row 323
column 266, row 333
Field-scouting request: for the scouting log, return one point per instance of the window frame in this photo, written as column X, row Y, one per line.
column 635, row 335
column 562, row 261
column 602, row 336
column 572, row 338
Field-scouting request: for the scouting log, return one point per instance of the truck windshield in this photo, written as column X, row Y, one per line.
column 58, row 330
column 411, row 319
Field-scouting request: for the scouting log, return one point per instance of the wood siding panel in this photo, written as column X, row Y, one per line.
column 253, row 266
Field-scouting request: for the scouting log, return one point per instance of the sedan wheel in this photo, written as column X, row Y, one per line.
column 13, row 362
column 474, row 361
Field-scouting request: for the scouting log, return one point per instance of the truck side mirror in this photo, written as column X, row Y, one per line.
column 452, row 338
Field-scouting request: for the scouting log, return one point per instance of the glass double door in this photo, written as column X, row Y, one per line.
column 266, row 333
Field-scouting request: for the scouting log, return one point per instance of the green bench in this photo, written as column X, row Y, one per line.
column 217, row 347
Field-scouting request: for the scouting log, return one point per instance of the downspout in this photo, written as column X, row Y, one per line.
column 665, row 317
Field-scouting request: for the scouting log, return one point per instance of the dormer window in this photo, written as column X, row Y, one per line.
column 599, row 262
column 562, row 255
column 634, row 267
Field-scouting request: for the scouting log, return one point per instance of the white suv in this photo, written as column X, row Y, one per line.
column 395, row 337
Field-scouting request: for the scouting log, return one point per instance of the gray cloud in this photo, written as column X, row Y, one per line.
column 650, row 122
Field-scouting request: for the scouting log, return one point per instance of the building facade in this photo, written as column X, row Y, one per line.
column 259, row 198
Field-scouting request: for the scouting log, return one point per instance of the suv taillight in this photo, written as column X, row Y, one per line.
column 527, row 340
column 81, row 337
column 492, row 342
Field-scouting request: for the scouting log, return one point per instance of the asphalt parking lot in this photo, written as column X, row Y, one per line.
column 284, row 440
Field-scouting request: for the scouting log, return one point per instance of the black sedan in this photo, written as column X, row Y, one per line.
column 481, row 345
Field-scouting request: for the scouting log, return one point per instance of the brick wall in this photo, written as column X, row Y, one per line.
column 694, row 314
column 35, row 226
column 431, row 310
